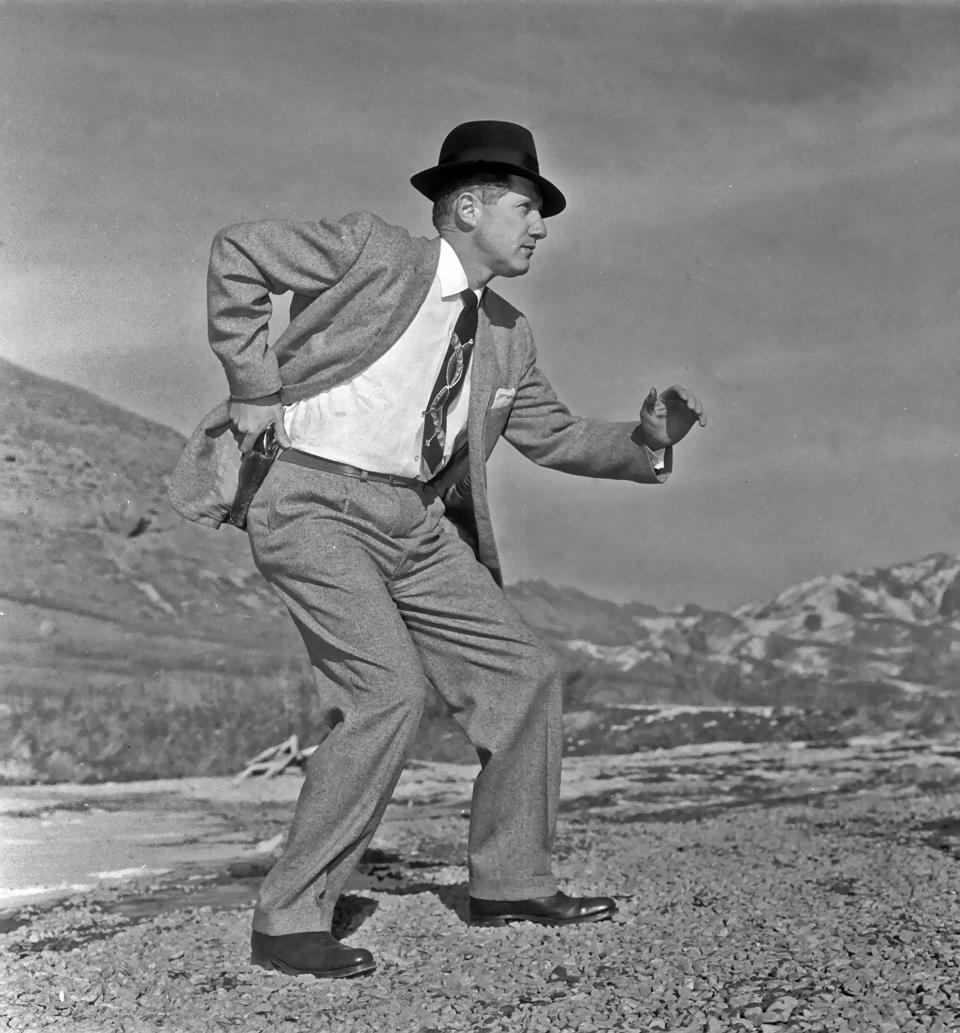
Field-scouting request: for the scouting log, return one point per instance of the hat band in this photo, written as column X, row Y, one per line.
column 503, row 155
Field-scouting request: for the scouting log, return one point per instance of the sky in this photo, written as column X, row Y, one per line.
column 763, row 206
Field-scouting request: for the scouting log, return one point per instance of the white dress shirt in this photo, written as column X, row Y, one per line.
column 375, row 419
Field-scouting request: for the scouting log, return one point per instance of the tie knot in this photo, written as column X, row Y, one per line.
column 469, row 300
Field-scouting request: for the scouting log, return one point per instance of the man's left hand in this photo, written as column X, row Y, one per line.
column 665, row 419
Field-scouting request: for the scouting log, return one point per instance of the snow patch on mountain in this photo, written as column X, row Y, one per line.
column 896, row 628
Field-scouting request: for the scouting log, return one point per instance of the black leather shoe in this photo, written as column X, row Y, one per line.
column 310, row 954
column 556, row 910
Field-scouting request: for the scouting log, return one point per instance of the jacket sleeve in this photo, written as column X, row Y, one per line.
column 543, row 429
column 249, row 262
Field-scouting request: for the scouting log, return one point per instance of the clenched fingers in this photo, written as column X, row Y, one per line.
column 690, row 400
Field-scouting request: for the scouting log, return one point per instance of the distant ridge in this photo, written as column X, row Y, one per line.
column 888, row 630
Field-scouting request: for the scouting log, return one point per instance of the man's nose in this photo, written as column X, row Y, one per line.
column 538, row 229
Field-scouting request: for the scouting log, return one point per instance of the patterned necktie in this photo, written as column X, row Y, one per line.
column 449, row 383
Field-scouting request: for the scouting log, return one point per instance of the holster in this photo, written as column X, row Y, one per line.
column 254, row 467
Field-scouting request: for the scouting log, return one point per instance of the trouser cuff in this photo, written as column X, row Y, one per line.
column 540, row 886
column 288, row 922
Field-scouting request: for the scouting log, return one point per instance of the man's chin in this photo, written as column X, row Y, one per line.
column 517, row 268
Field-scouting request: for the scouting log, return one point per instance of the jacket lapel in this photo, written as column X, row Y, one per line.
column 481, row 385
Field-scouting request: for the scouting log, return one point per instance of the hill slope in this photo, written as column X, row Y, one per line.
column 129, row 634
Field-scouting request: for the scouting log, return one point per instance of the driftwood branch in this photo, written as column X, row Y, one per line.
column 276, row 759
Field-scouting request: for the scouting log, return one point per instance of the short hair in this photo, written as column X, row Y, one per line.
column 489, row 186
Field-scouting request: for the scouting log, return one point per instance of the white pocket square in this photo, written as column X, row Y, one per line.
column 504, row 396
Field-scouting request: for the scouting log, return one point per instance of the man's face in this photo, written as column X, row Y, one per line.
column 509, row 228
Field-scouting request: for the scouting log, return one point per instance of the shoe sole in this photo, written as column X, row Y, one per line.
column 362, row 968
column 501, row 920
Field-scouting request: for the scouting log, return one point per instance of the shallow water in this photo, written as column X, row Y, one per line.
column 60, row 840
column 59, row 852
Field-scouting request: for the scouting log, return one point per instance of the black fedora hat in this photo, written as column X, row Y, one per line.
column 489, row 147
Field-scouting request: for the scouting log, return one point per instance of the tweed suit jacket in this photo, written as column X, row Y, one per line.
column 357, row 283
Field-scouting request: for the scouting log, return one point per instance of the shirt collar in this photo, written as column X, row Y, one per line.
column 450, row 273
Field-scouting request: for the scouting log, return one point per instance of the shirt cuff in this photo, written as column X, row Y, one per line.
column 661, row 460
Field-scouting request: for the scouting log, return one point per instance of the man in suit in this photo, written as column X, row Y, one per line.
column 398, row 373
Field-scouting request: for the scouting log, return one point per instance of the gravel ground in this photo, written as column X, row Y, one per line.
column 834, row 911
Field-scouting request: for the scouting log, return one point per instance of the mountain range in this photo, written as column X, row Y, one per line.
column 137, row 643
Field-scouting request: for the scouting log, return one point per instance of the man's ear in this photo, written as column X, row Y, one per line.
column 467, row 210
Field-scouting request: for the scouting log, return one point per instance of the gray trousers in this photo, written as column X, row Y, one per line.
column 389, row 603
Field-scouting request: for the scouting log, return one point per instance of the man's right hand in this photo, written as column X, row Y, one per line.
column 252, row 416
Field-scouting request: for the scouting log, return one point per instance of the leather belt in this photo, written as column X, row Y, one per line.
column 295, row 456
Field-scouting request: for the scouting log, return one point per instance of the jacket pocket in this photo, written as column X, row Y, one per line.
column 503, row 397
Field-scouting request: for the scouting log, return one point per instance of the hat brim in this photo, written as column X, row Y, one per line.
column 431, row 182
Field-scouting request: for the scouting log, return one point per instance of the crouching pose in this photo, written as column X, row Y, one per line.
column 398, row 373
